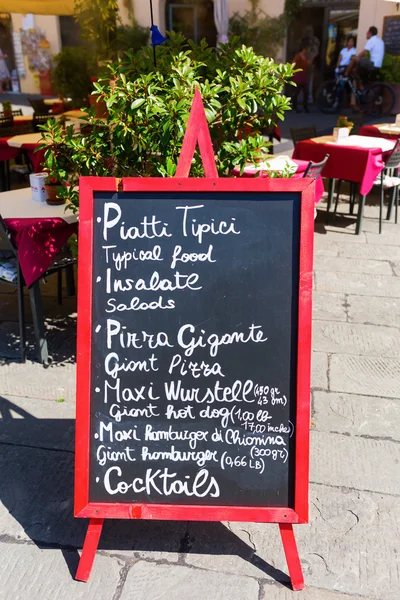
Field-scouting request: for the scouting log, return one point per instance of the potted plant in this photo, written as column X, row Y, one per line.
column 52, row 186
column 344, row 122
column 58, row 159
column 7, row 108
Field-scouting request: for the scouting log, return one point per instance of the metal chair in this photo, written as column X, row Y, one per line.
column 5, row 171
column 8, row 251
column 39, row 120
column 15, row 113
column 6, row 122
column 39, row 106
column 303, row 133
column 314, row 170
column 389, row 179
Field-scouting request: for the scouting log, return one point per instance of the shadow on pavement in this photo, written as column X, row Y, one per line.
column 37, row 475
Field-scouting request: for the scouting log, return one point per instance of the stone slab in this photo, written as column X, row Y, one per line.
column 354, row 338
column 37, row 503
column 29, row 573
column 342, row 234
column 148, row 581
column 30, row 379
column 37, row 423
column 369, row 251
column 396, row 267
column 360, row 463
column 319, row 370
column 51, row 308
column 358, row 284
column 324, row 247
column 365, row 375
column 350, row 545
column 357, row 415
column 373, row 310
column 329, row 307
column 372, row 224
column 390, row 238
column 60, row 334
column 353, row 265
column 272, row 592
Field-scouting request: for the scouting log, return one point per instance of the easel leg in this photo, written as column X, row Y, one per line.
column 89, row 549
column 292, row 555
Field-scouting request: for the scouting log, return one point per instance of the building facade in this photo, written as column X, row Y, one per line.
column 330, row 22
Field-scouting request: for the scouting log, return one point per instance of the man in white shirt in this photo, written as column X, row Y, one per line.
column 376, row 49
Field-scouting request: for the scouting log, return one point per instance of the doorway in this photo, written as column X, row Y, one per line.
column 193, row 18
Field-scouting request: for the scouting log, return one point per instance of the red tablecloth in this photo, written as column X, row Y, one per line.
column 372, row 131
column 38, row 242
column 301, row 167
column 8, row 153
column 360, row 165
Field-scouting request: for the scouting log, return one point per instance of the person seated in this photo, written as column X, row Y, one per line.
column 345, row 56
column 369, row 59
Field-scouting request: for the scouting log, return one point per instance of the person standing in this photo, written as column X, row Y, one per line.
column 313, row 52
column 4, row 72
column 302, row 62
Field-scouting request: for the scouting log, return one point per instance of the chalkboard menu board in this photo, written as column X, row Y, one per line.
column 391, row 34
column 188, row 344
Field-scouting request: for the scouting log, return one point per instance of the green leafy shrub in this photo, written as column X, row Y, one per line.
column 390, row 70
column 257, row 29
column 71, row 76
column 148, row 110
column 131, row 37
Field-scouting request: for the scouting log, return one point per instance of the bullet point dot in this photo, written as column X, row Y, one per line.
column 96, row 436
column 98, row 328
column 99, row 219
column 97, row 479
column 96, row 389
column 98, row 279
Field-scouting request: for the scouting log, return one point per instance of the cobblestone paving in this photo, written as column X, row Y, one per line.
column 350, row 548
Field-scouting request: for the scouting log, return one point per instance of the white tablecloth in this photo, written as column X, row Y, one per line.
column 18, row 204
column 364, row 141
column 17, row 141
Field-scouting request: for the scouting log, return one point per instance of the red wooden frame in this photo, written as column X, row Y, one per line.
column 84, row 508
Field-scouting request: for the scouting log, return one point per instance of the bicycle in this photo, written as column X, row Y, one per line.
column 375, row 98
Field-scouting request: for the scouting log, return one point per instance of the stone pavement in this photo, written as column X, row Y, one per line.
column 350, row 548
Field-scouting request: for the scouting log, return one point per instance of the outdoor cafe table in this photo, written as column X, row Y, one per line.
column 358, row 159
column 389, row 131
column 11, row 147
column 262, row 171
column 39, row 230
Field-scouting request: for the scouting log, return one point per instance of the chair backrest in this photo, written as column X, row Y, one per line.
column 393, row 160
column 314, row 170
column 303, row 133
column 39, row 120
column 6, row 122
column 357, row 119
column 6, row 132
column 15, row 113
column 39, row 106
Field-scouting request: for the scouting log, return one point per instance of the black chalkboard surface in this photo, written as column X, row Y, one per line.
column 391, row 34
column 194, row 348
